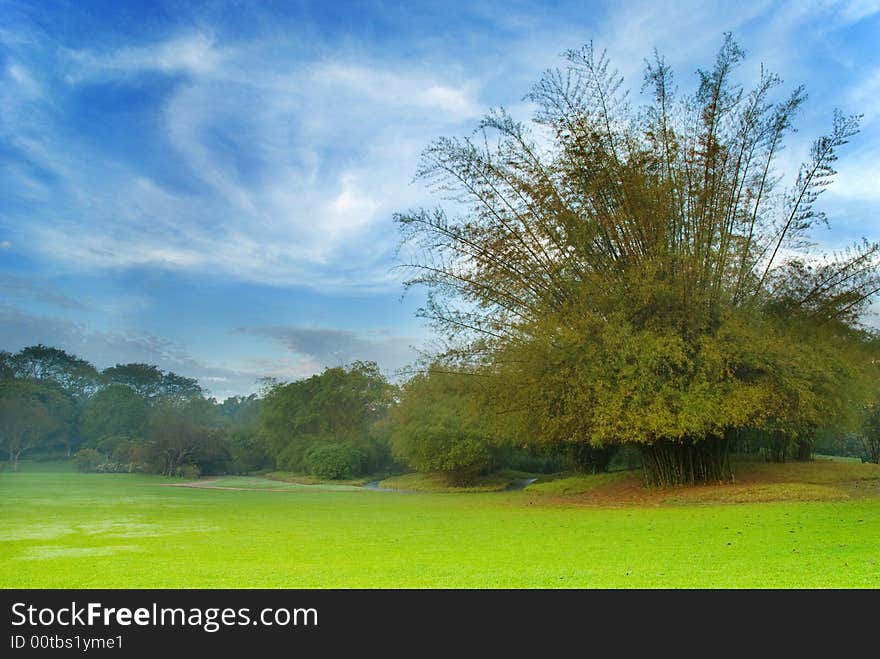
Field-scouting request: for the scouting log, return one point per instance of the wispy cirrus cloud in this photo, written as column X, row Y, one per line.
column 194, row 54
column 24, row 288
column 278, row 166
column 286, row 174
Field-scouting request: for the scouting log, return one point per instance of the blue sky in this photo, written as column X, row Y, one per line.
column 209, row 186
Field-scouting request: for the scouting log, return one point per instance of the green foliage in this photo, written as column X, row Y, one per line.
column 332, row 461
column 88, row 459
column 189, row 472
column 51, row 401
column 134, row 453
column 246, row 450
column 340, row 406
column 437, row 426
column 638, row 276
column 116, row 410
column 292, row 457
column 76, row 376
column 178, row 440
column 536, row 460
column 612, row 382
column 34, row 414
column 240, row 411
column 840, row 443
column 150, row 382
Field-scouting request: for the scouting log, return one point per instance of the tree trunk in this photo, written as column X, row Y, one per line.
column 872, row 448
column 668, row 463
column 777, row 449
column 803, row 450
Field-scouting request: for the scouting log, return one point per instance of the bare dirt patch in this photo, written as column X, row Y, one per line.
column 755, row 482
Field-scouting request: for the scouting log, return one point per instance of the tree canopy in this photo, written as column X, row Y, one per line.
column 341, row 405
column 643, row 273
column 33, row 413
column 438, row 427
column 41, row 362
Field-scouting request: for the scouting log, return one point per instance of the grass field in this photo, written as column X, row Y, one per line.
column 64, row 529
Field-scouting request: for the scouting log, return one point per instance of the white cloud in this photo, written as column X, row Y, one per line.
column 858, row 178
column 865, row 96
column 31, row 289
column 400, row 90
column 294, row 167
column 26, row 83
column 299, row 166
column 856, row 10
column 194, row 54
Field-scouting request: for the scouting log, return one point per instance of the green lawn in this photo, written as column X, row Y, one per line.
column 65, row 529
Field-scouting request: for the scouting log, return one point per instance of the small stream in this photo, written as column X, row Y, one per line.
column 519, row 485
column 374, row 485
column 515, row 485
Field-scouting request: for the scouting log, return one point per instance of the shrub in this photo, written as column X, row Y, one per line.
column 290, row 459
column 332, row 461
column 88, row 459
column 189, row 471
column 437, row 427
column 112, row 468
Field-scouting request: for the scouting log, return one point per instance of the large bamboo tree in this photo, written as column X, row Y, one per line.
column 643, row 274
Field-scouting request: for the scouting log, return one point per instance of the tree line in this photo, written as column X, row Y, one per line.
column 344, row 422
column 128, row 417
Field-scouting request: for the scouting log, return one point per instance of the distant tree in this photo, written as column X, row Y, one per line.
column 179, row 389
column 36, row 414
column 151, row 382
column 842, row 441
column 240, row 415
column 115, row 411
column 177, row 440
column 340, row 405
column 438, row 427
column 40, row 362
column 247, row 450
column 638, row 275
column 144, row 379
column 24, row 424
column 88, row 459
column 240, row 410
column 31, row 415
column 7, row 365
